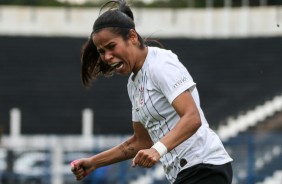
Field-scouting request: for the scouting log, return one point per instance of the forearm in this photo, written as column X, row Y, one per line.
column 188, row 123
column 124, row 151
column 184, row 129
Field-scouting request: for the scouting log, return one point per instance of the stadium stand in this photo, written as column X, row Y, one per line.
column 44, row 82
column 257, row 156
column 276, row 178
column 252, row 118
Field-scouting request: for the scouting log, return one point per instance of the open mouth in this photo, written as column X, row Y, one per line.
column 117, row 66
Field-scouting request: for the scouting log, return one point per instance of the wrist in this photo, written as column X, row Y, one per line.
column 160, row 148
column 93, row 164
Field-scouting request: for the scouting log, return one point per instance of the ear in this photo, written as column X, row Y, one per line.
column 133, row 37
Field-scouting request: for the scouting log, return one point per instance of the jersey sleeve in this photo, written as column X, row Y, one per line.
column 171, row 77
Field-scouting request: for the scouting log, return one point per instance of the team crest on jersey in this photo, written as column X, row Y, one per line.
column 141, row 96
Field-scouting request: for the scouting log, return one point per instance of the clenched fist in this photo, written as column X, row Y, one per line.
column 146, row 158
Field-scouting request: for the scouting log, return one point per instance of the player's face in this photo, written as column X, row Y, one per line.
column 115, row 51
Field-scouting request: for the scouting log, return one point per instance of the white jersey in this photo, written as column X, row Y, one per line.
column 160, row 80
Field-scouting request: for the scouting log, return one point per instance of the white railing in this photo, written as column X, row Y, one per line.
column 250, row 118
column 188, row 22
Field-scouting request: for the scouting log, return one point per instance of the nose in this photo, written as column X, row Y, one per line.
column 108, row 57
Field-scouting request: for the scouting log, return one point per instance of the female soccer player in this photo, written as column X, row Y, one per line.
column 168, row 122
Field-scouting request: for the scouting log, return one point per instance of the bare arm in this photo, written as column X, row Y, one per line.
column 128, row 149
column 187, row 125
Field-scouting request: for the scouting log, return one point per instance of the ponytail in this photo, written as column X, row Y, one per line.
column 91, row 64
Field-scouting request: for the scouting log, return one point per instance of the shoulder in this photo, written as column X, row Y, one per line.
column 162, row 65
column 160, row 58
column 163, row 54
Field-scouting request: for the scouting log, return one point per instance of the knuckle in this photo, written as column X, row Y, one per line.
column 141, row 152
column 151, row 159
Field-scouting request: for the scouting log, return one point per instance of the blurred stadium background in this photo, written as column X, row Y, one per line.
column 232, row 48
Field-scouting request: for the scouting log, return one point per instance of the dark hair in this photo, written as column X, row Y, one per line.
column 119, row 19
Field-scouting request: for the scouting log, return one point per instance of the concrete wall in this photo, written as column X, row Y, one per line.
column 190, row 23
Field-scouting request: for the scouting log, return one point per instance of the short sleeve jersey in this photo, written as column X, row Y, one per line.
column 160, row 80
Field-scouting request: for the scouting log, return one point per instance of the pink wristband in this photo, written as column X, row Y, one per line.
column 73, row 162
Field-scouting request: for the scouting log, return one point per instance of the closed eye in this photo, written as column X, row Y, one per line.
column 111, row 46
column 101, row 51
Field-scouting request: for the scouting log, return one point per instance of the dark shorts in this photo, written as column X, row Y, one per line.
column 206, row 174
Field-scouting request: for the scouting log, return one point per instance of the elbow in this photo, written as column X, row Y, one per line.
column 194, row 123
column 143, row 142
column 197, row 123
column 146, row 142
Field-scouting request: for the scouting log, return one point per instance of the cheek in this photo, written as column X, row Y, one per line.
column 122, row 52
column 122, row 49
column 102, row 57
column 127, row 54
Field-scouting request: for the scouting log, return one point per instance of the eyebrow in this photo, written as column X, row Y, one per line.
column 106, row 46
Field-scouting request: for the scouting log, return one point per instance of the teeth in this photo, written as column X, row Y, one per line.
column 120, row 67
column 115, row 64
